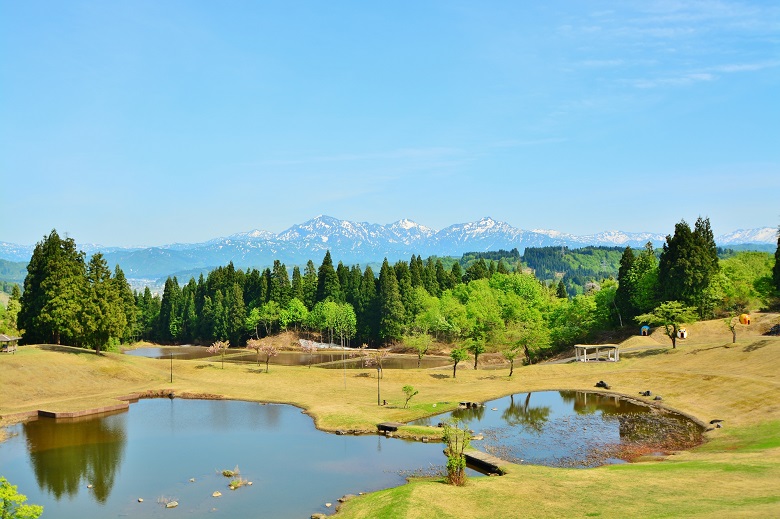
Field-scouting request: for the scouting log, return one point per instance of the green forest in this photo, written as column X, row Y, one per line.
column 494, row 303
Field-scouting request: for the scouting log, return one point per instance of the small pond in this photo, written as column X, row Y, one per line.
column 572, row 428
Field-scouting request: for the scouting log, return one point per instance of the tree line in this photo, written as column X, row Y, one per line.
column 485, row 307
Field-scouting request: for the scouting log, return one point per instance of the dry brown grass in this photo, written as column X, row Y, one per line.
column 706, row 377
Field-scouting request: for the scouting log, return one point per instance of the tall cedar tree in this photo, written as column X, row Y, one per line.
column 296, row 285
column 368, row 309
column 391, row 309
column 430, row 279
column 53, row 289
column 560, row 291
column 688, row 264
column 128, row 304
column 309, row 285
column 280, row 286
column 328, row 286
column 102, row 314
column 170, row 306
column 624, row 293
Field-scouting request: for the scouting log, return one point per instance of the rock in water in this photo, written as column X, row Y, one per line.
column 216, row 494
column 171, row 504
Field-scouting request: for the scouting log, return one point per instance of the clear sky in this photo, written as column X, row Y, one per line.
column 151, row 122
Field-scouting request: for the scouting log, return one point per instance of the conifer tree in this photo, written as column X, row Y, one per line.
column 328, row 286
column 391, row 309
column 254, row 289
column 367, row 308
column 688, row 264
column 416, row 271
column 235, row 315
column 128, row 304
column 296, row 285
column 279, row 286
column 342, row 272
column 560, row 291
column 53, row 291
column 457, row 274
column 444, row 278
column 309, row 285
column 102, row 313
column 430, row 279
column 170, row 307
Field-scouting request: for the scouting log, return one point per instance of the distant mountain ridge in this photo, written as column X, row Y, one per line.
column 359, row 242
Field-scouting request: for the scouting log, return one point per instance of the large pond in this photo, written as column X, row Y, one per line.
column 99, row 466
column 153, row 450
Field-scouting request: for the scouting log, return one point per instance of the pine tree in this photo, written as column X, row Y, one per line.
column 254, row 289
column 457, row 274
column 367, row 308
column 128, row 304
column 416, row 271
column 688, row 264
column 675, row 265
column 477, row 270
column 430, row 279
column 309, row 285
column 102, row 312
column 296, row 285
column 444, row 278
column 53, row 292
column 235, row 315
column 560, row 291
column 328, row 286
column 279, row 286
column 391, row 309
column 170, row 307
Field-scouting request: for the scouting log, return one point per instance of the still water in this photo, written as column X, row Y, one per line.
column 335, row 359
column 572, row 428
column 153, row 451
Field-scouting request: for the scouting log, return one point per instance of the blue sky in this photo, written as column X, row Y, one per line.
column 148, row 122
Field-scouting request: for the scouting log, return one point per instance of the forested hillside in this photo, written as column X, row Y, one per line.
column 576, row 267
column 489, row 305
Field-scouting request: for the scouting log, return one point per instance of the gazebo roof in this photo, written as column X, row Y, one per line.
column 6, row 338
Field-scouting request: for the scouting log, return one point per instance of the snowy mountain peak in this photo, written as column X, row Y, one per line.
column 760, row 235
column 255, row 234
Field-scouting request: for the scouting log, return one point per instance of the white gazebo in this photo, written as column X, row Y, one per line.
column 596, row 352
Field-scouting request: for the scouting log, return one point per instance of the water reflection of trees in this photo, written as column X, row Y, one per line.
column 532, row 419
column 584, row 402
column 467, row 414
column 66, row 453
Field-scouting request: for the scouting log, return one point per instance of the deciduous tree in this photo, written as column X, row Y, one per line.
column 671, row 315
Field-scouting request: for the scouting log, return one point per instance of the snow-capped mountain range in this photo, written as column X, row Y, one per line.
column 359, row 242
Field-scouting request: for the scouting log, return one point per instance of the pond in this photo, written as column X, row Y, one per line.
column 572, row 428
column 154, row 450
column 325, row 359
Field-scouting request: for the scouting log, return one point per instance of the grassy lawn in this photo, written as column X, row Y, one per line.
column 736, row 473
